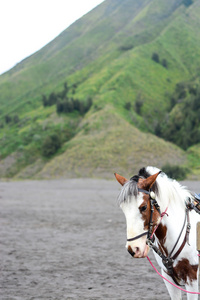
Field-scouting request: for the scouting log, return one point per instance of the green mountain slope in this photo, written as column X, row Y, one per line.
column 128, row 57
column 107, row 142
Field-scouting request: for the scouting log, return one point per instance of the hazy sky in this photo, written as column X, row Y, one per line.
column 27, row 25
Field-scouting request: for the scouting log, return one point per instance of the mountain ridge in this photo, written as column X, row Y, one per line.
column 108, row 55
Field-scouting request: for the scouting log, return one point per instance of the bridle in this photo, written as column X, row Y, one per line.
column 166, row 260
column 153, row 202
column 169, row 260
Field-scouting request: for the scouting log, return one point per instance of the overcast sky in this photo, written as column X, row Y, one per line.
column 27, row 25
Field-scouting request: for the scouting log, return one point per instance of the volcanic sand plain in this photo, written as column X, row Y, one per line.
column 65, row 239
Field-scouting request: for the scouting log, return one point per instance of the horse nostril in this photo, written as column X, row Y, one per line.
column 130, row 251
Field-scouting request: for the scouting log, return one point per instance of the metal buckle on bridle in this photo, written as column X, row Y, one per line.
column 152, row 195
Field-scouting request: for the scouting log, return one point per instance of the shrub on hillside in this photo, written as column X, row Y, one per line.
column 53, row 98
column 51, row 145
column 164, row 63
column 126, row 47
column 44, row 100
column 138, row 104
column 155, row 57
column 187, row 2
column 15, row 119
column 8, row 119
column 70, row 105
column 175, row 171
column 127, row 105
column 65, row 103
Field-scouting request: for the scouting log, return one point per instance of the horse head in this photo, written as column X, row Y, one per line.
column 141, row 211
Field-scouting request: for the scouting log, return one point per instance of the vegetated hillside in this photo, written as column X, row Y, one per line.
column 127, row 57
column 107, row 143
column 182, row 125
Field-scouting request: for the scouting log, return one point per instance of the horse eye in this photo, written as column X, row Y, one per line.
column 143, row 208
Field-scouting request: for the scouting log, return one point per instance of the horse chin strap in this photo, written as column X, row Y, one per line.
column 153, row 203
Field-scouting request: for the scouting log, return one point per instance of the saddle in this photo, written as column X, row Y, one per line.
column 197, row 196
column 197, row 209
column 197, row 201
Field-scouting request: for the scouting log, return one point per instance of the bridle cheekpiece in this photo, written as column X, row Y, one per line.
column 153, row 203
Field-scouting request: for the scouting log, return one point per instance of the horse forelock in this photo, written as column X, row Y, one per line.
column 131, row 189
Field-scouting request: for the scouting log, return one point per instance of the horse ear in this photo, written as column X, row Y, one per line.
column 148, row 182
column 122, row 180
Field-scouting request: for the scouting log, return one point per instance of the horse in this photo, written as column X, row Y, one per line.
column 160, row 215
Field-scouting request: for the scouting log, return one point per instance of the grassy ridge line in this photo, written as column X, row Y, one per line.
column 156, row 73
column 89, row 38
column 57, row 60
column 42, row 66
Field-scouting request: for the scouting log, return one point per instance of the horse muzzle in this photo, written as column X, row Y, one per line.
column 137, row 252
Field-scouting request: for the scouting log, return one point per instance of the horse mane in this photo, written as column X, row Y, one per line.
column 167, row 190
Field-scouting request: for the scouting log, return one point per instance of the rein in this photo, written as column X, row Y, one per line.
column 178, row 287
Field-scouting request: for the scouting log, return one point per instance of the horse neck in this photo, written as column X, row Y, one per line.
column 171, row 201
column 172, row 195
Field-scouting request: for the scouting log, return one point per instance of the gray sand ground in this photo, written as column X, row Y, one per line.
column 64, row 239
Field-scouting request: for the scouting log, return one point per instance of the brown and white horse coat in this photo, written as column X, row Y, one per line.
column 169, row 233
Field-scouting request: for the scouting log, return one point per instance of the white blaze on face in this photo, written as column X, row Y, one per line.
column 135, row 225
